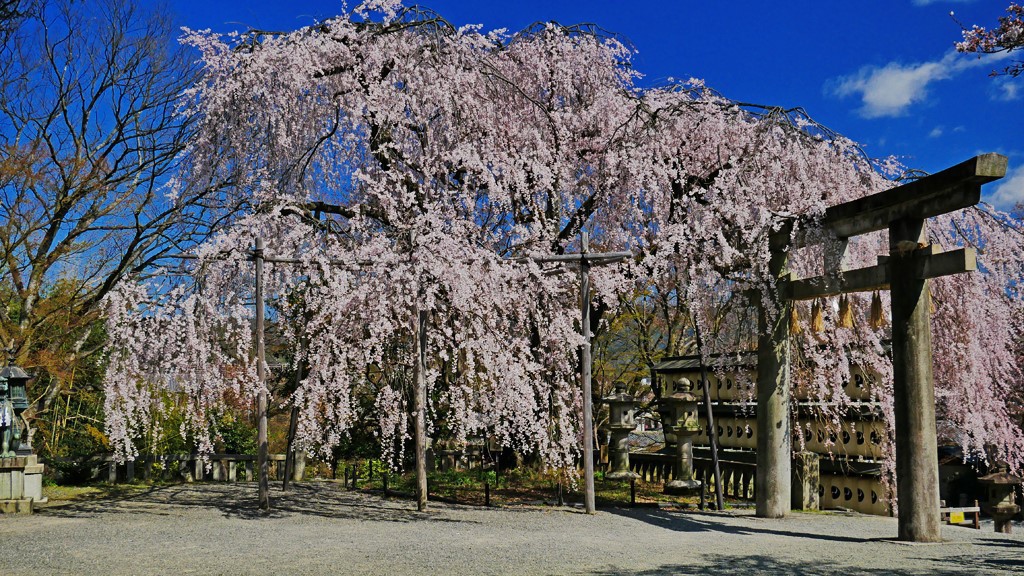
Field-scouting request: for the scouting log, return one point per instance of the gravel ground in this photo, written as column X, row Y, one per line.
column 320, row 528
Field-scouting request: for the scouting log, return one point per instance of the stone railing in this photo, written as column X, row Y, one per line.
column 737, row 476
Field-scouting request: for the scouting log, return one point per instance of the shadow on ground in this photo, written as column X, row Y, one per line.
column 994, row 560
column 775, row 566
column 711, row 522
column 240, row 500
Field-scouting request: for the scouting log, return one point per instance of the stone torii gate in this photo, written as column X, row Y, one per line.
column 912, row 261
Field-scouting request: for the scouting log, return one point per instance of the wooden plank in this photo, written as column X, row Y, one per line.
column 960, row 509
column 951, row 189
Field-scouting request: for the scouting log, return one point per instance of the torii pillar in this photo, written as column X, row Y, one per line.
column 772, row 481
column 917, row 456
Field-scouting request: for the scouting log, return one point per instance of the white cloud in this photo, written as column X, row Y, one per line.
column 936, row 132
column 1007, row 89
column 1008, row 191
column 891, row 89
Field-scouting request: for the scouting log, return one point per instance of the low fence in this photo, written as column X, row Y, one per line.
column 167, row 467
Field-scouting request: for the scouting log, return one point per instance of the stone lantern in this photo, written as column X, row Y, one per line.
column 1000, row 504
column 682, row 422
column 621, row 421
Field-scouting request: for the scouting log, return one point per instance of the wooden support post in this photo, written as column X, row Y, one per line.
column 289, row 455
column 261, row 400
column 421, row 409
column 917, row 462
column 772, row 484
column 585, row 361
column 585, row 261
column 712, row 431
column 293, row 425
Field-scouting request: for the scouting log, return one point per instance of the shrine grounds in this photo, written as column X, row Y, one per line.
column 322, row 528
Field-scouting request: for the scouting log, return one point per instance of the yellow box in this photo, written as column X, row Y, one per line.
column 956, row 517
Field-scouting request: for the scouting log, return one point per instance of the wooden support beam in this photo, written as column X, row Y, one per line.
column 420, row 406
column 602, row 258
column 589, row 504
column 938, row 264
column 926, row 263
column 261, row 398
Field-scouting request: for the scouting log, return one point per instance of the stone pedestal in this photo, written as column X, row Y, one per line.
column 806, row 477
column 1002, row 517
column 618, row 454
column 449, row 459
column 621, row 421
column 682, row 423
column 21, row 484
column 299, row 467
column 683, row 483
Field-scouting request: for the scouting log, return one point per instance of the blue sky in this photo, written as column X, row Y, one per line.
column 882, row 72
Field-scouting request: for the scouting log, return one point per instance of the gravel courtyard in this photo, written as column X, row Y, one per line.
column 320, row 528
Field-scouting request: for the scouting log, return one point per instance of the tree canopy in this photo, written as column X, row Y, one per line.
column 408, row 165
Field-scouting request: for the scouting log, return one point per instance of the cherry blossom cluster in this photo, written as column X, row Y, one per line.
column 1008, row 36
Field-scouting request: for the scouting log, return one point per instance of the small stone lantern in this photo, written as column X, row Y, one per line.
column 1000, row 504
column 621, row 421
column 682, row 409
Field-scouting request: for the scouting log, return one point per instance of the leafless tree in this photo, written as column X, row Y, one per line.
column 89, row 137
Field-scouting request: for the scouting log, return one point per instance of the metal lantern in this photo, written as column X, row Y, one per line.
column 14, row 398
column 17, row 381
